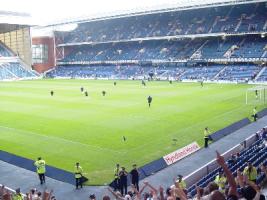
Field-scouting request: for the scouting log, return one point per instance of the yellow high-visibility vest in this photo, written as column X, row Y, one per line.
column 40, row 166
column 17, row 197
column 252, row 176
column 206, row 133
column 221, row 181
column 78, row 171
column 182, row 185
column 116, row 172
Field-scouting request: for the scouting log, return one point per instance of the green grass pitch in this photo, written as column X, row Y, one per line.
column 70, row 127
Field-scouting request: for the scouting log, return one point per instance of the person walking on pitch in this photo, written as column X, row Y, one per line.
column 149, row 100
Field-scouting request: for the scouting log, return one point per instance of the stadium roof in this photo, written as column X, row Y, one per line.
column 171, row 6
column 13, row 20
column 10, row 27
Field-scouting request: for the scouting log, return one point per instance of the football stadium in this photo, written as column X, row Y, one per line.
column 160, row 101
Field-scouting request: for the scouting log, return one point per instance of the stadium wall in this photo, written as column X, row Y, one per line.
column 50, row 63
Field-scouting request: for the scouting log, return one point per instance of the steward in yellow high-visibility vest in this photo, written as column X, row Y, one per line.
column 78, row 173
column 181, row 182
column 40, row 169
column 17, row 195
column 116, row 178
column 255, row 114
column 220, row 180
column 251, row 172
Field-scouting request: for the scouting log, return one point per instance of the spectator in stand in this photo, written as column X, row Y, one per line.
column 134, row 194
column 220, row 180
column 17, row 195
column 232, row 187
column 92, row 197
column 106, row 198
column 251, row 172
column 264, row 133
column 123, row 180
column 37, row 195
column 152, row 191
column 213, row 192
column 4, row 193
column 32, row 193
column 248, row 189
column 232, row 160
column 181, row 182
column 135, row 177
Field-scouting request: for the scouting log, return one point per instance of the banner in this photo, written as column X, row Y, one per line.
column 181, row 153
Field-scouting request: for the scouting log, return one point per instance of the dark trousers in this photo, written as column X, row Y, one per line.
column 123, row 186
column 42, row 178
column 135, row 182
column 78, row 182
column 206, row 139
column 116, row 184
column 255, row 117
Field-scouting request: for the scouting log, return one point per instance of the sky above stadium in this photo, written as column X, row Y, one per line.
column 50, row 11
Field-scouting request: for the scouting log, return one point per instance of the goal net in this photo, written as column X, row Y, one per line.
column 256, row 95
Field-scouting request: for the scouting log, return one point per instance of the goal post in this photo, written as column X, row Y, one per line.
column 256, row 95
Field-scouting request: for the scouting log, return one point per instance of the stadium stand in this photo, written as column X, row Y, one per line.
column 263, row 76
column 229, row 38
column 11, row 67
column 239, row 73
column 227, row 19
column 203, row 73
column 4, row 52
column 251, row 47
column 255, row 154
column 242, row 47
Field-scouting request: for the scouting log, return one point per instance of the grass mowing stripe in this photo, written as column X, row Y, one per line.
column 99, row 149
column 191, row 127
